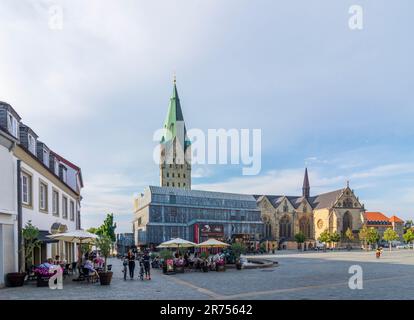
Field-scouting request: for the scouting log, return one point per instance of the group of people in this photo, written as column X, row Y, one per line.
column 144, row 261
column 195, row 260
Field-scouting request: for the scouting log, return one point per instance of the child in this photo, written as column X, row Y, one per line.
column 125, row 264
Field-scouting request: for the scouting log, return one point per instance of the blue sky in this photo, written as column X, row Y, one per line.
column 336, row 100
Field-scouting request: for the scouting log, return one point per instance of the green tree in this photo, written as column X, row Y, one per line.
column 390, row 235
column 108, row 228
column 334, row 237
column 409, row 236
column 300, row 239
column 104, row 243
column 349, row 235
column 408, row 225
column 238, row 249
column 363, row 236
column 373, row 236
column 324, row 237
column 93, row 230
column 30, row 235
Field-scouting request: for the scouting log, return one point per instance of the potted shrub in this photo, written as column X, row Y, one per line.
column 105, row 244
column 238, row 249
column 300, row 239
column 166, row 256
column 42, row 276
column 220, row 265
column 30, row 234
column 179, row 266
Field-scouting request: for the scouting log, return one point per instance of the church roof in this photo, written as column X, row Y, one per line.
column 325, row 200
column 174, row 114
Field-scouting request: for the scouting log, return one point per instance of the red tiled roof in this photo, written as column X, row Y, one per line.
column 396, row 219
column 376, row 216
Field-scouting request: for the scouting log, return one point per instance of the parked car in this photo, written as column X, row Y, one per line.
column 403, row 246
column 319, row 246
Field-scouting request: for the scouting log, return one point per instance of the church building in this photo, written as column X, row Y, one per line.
column 286, row 216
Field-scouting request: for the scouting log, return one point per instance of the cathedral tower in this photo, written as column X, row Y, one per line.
column 175, row 164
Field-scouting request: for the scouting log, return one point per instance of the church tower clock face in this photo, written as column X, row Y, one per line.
column 320, row 224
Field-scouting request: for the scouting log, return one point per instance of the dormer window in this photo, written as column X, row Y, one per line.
column 12, row 125
column 32, row 144
column 45, row 157
column 56, row 167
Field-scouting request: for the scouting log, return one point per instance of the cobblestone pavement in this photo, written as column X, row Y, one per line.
column 298, row 276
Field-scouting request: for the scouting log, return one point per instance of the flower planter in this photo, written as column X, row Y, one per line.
column 43, row 281
column 105, row 278
column 238, row 266
column 15, row 279
column 164, row 268
column 220, row 268
column 205, row 268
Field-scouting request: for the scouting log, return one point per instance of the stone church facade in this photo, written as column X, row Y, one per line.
column 285, row 216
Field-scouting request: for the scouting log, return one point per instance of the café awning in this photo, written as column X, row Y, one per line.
column 213, row 243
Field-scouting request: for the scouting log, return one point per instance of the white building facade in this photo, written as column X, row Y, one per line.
column 50, row 188
column 8, row 206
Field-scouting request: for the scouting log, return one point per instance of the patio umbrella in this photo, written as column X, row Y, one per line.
column 177, row 243
column 77, row 236
column 213, row 243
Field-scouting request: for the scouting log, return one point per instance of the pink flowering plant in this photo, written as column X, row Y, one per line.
column 220, row 262
column 43, row 272
column 179, row 263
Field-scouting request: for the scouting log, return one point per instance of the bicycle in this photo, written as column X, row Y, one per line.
column 141, row 270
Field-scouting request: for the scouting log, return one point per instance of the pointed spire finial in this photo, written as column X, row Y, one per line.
column 306, row 185
column 347, row 183
column 174, row 77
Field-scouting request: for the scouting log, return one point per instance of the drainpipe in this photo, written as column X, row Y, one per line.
column 19, row 217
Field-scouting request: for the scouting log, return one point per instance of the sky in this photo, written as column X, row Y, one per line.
column 93, row 79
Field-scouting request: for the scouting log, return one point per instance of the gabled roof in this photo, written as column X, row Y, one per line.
column 325, row 200
column 396, row 219
column 376, row 216
column 276, row 200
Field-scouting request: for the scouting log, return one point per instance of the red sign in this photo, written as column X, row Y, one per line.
column 212, row 230
column 196, row 233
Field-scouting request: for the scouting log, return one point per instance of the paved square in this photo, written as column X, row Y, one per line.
column 298, row 276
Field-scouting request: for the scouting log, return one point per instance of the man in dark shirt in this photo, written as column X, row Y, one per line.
column 146, row 259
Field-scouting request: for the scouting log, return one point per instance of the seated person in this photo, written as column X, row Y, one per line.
column 89, row 265
column 47, row 264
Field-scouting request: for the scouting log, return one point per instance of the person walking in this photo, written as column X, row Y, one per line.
column 146, row 259
column 131, row 264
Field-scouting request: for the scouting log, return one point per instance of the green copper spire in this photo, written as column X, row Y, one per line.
column 174, row 114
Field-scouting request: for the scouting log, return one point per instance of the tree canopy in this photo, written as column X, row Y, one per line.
column 107, row 228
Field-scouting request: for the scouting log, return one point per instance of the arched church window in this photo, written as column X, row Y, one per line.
column 285, row 227
column 304, row 227
column 346, row 222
